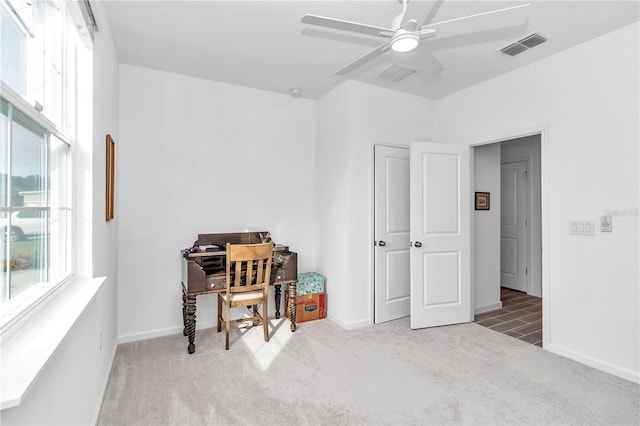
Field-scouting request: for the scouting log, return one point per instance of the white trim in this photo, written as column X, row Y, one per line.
column 33, row 341
column 350, row 326
column 27, row 303
column 29, row 110
column 161, row 332
column 595, row 363
column 487, row 308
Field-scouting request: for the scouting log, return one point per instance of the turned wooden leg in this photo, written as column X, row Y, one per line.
column 292, row 305
column 184, row 313
column 278, row 295
column 191, row 322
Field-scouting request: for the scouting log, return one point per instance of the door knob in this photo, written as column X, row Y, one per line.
column 418, row 244
column 382, row 243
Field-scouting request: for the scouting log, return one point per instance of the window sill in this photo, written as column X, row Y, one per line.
column 29, row 345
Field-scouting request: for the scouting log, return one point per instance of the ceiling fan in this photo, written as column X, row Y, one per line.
column 403, row 37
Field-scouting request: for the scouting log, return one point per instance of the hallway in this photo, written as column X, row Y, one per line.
column 520, row 316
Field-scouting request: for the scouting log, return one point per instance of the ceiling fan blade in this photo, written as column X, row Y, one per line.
column 364, row 59
column 474, row 23
column 339, row 24
column 433, row 12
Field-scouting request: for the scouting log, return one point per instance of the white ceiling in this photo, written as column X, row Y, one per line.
column 263, row 44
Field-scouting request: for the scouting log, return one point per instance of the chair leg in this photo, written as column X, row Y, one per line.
column 265, row 321
column 219, row 313
column 255, row 314
column 227, row 325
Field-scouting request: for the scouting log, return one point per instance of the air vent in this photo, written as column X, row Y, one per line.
column 513, row 49
column 533, row 40
column 524, row 44
column 395, row 72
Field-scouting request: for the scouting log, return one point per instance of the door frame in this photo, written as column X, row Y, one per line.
column 543, row 131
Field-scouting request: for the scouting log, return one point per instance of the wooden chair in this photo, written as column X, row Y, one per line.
column 248, row 274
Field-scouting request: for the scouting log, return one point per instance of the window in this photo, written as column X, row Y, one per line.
column 37, row 127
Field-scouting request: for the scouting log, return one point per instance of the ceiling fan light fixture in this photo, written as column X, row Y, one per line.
column 405, row 41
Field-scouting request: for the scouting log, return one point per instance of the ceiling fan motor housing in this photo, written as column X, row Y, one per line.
column 405, row 41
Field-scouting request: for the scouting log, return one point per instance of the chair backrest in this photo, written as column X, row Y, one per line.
column 248, row 266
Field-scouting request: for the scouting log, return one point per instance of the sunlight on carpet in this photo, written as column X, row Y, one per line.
column 266, row 352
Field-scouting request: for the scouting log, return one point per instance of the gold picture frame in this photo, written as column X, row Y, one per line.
column 110, row 178
column 482, row 201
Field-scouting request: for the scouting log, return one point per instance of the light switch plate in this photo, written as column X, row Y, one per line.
column 605, row 223
column 582, row 227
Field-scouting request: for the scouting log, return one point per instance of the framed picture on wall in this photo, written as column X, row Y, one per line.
column 482, row 200
column 110, row 177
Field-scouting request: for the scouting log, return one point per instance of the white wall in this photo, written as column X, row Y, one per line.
column 197, row 156
column 528, row 149
column 70, row 387
column 351, row 119
column 486, row 224
column 588, row 112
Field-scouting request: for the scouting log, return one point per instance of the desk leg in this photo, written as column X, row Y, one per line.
column 184, row 312
column 278, row 295
column 191, row 322
column 292, row 305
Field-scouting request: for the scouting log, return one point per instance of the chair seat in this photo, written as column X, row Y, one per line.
column 242, row 297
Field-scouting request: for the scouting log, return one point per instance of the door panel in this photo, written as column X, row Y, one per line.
column 442, row 268
column 513, row 248
column 440, row 216
column 397, row 279
column 391, row 223
column 440, row 232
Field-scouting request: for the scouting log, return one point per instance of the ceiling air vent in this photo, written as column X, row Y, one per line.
column 395, row 72
column 532, row 40
column 526, row 43
column 513, row 49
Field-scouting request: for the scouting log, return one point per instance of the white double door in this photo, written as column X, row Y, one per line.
column 422, row 234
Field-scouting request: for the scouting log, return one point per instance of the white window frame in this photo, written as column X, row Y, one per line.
column 15, row 309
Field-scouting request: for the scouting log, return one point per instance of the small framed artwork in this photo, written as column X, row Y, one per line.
column 110, row 177
column 482, row 200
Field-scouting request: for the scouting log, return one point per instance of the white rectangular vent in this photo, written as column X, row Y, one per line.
column 395, row 72
column 513, row 49
column 532, row 40
column 524, row 44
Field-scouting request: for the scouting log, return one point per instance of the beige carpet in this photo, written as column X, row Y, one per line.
column 384, row 374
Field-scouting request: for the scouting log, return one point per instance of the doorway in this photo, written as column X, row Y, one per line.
column 508, row 238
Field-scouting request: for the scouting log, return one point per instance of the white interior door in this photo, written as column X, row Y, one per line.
column 513, row 221
column 440, row 234
column 391, row 217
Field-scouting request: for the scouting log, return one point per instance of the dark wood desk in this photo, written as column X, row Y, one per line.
column 205, row 273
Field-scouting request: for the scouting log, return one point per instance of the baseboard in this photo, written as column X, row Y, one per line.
column 105, row 383
column 350, row 326
column 632, row 376
column 487, row 308
column 162, row 332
